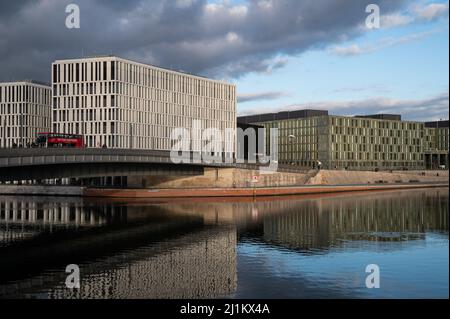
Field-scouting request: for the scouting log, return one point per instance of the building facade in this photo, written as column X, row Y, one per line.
column 310, row 138
column 25, row 111
column 436, row 144
column 123, row 104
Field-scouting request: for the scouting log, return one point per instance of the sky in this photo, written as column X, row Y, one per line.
column 281, row 54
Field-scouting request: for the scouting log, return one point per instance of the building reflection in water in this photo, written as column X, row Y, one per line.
column 188, row 249
column 324, row 223
column 23, row 218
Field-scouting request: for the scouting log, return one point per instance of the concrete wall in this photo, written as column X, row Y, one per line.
column 238, row 178
column 220, row 178
column 356, row 177
column 16, row 190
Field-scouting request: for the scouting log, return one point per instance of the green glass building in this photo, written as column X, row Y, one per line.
column 309, row 138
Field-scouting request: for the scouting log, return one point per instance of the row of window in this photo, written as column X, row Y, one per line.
column 127, row 89
column 77, row 72
column 24, row 121
column 350, row 124
column 25, row 93
column 375, row 124
column 372, row 164
column 215, row 111
column 16, row 109
column 129, row 72
column 355, row 156
column 349, row 131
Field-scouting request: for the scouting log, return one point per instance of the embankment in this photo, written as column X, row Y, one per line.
column 326, row 177
column 39, row 190
column 247, row 183
column 247, row 192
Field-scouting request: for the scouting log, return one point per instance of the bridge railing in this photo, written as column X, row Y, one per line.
column 49, row 156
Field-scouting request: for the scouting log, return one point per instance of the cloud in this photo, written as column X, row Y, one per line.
column 415, row 14
column 429, row 109
column 9, row 8
column 356, row 49
column 395, row 20
column 432, row 11
column 264, row 96
column 378, row 88
column 220, row 39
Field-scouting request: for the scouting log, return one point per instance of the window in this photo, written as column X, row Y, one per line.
column 105, row 72
column 113, row 70
column 77, row 72
column 55, row 73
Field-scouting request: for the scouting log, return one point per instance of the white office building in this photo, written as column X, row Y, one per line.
column 123, row 104
column 25, row 111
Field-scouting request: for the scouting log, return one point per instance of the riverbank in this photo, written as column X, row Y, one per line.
column 227, row 178
column 282, row 184
column 248, row 192
column 71, row 191
column 341, row 177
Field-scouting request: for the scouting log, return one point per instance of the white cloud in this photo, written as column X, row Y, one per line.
column 232, row 37
column 239, row 11
column 376, row 88
column 265, row 4
column 415, row 14
column 353, row 49
column 356, row 49
column 431, row 11
column 261, row 96
column 395, row 20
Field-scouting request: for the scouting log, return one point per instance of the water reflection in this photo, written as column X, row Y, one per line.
column 210, row 248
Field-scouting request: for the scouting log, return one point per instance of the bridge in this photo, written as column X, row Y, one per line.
column 55, row 163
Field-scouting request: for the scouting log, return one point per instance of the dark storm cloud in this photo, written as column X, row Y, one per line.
column 220, row 40
column 8, row 8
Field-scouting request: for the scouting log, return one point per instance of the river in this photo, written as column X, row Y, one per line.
column 284, row 247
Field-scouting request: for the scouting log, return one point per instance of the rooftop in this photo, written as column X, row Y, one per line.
column 437, row 124
column 391, row 117
column 286, row 115
column 27, row 81
column 141, row 63
column 298, row 114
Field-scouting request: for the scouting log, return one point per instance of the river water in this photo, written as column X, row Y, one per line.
column 288, row 247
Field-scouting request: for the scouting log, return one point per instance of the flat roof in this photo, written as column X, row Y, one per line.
column 382, row 116
column 114, row 57
column 285, row 115
column 437, row 124
column 298, row 114
column 41, row 83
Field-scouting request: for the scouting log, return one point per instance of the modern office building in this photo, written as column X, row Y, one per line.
column 436, row 144
column 383, row 141
column 124, row 104
column 25, row 111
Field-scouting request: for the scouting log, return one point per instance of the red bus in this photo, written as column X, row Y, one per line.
column 60, row 140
